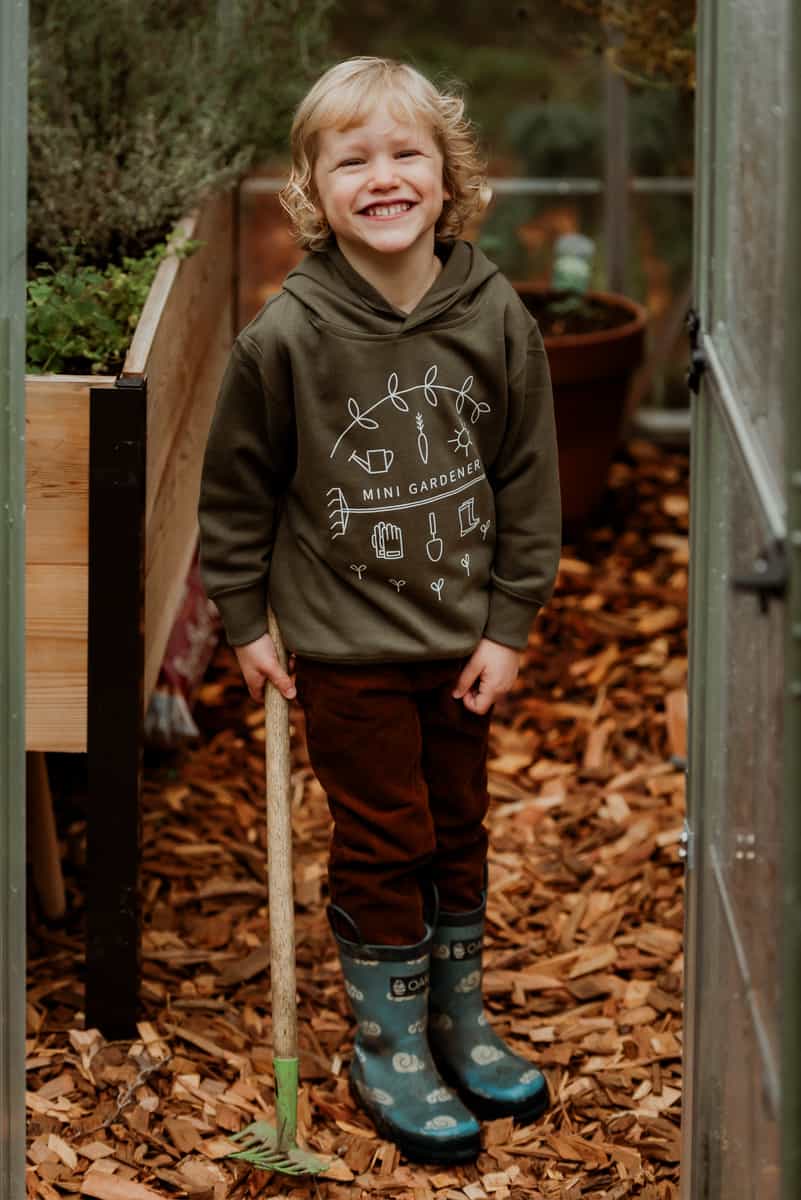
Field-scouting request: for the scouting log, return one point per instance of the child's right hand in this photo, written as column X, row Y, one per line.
column 259, row 662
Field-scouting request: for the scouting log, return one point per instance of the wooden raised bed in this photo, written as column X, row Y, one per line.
column 113, row 469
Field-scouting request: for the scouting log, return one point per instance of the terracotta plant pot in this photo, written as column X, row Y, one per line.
column 591, row 373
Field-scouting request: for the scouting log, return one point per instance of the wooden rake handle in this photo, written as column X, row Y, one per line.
column 279, row 860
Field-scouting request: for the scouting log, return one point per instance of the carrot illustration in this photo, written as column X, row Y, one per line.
column 422, row 440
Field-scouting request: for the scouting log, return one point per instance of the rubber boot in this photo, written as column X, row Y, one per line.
column 490, row 1077
column 392, row 1074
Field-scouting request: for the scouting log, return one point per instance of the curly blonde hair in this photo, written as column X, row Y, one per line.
column 343, row 97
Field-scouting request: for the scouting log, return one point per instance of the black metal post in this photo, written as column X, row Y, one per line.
column 117, row 458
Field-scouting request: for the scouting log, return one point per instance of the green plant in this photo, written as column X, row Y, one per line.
column 650, row 42
column 138, row 110
column 83, row 317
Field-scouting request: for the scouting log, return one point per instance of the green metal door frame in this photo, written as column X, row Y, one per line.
column 13, row 190
column 730, row 451
column 791, row 925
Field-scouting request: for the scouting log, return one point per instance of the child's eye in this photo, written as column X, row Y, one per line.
column 407, row 153
column 351, row 162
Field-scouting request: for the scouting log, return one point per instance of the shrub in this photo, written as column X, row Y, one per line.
column 138, row 109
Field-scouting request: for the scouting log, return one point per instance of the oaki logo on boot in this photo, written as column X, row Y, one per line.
column 402, row 987
column 461, row 949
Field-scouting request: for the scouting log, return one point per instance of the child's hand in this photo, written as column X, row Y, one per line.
column 488, row 674
column 258, row 662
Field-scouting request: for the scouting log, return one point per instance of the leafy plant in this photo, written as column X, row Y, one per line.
column 81, row 318
column 651, row 42
column 137, row 110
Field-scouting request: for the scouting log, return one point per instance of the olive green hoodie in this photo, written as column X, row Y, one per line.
column 389, row 479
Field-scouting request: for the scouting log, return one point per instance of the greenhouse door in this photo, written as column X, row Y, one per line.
column 741, row 1044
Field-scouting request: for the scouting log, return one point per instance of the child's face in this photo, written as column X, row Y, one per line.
column 380, row 184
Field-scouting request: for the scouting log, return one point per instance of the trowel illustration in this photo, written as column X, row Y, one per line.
column 434, row 545
column 377, row 462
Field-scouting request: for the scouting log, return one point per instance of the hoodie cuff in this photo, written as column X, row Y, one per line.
column 509, row 619
column 243, row 613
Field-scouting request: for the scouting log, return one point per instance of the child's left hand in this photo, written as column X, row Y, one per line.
column 488, row 674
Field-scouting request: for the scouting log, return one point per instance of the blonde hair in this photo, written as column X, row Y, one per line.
column 344, row 96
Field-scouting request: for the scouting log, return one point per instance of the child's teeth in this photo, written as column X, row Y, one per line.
column 387, row 210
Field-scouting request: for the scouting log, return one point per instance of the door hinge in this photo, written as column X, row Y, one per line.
column 769, row 578
column 697, row 357
column 687, row 847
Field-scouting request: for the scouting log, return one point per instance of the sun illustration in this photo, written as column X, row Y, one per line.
column 462, row 441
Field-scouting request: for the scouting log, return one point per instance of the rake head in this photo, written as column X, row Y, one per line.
column 262, row 1148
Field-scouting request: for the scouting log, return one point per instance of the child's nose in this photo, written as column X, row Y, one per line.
column 385, row 173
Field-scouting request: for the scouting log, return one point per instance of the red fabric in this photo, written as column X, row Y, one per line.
column 403, row 765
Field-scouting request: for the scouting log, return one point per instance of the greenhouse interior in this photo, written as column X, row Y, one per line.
column 183, row 1008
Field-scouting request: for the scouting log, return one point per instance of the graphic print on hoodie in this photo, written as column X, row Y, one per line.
column 390, row 477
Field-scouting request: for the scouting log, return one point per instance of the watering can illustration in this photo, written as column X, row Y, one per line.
column 377, row 462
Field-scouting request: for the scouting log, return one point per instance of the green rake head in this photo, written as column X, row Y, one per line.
column 262, row 1148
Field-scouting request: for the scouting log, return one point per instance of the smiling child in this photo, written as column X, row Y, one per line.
column 382, row 467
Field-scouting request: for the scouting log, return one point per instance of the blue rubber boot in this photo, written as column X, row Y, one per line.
column 491, row 1078
column 392, row 1074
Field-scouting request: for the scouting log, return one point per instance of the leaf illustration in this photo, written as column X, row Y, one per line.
column 479, row 408
column 393, row 394
column 463, row 393
column 355, row 412
column 428, row 386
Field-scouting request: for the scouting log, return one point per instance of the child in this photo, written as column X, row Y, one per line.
column 382, row 465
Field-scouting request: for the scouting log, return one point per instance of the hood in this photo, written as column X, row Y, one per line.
column 329, row 287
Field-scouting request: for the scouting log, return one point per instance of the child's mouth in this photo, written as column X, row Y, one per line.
column 387, row 211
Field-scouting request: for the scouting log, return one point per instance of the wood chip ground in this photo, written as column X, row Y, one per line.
column 584, row 963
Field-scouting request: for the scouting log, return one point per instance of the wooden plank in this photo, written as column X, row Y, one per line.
column 181, row 344
column 184, row 364
column 55, row 656
column 172, row 529
column 57, row 466
column 56, row 551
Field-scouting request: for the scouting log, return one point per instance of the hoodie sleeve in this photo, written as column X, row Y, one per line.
column 248, row 462
column 525, row 479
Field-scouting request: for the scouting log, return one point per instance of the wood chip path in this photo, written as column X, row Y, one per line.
column 584, row 966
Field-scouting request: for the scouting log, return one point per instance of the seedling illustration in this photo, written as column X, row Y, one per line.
column 465, row 560
column 359, row 568
column 437, row 585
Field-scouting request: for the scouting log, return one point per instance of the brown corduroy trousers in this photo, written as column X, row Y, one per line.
column 403, row 765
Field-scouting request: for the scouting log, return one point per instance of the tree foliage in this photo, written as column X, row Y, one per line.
column 651, row 41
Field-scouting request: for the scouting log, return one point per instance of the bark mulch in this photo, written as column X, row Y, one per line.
column 584, row 966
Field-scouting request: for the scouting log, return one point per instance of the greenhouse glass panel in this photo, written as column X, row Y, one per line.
column 748, row 317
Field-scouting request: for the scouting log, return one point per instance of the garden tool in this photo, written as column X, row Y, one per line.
column 276, row 1149
column 392, row 1075
column 492, row 1080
